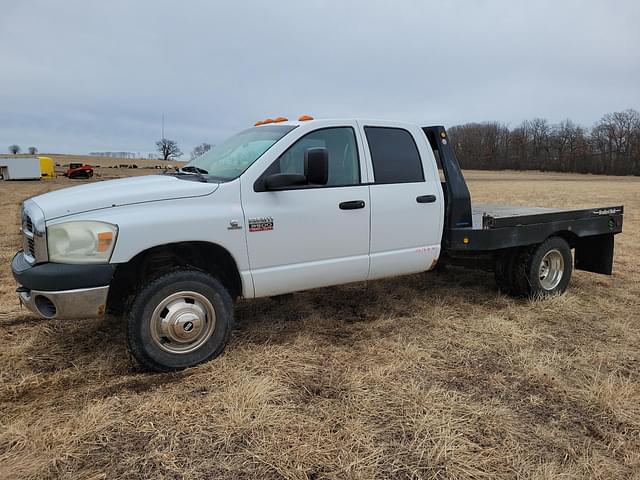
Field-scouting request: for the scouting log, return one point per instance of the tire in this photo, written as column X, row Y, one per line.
column 543, row 270
column 179, row 320
column 503, row 271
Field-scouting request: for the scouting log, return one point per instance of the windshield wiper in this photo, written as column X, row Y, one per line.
column 197, row 173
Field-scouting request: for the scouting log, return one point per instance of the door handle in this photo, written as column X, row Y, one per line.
column 426, row 199
column 352, row 205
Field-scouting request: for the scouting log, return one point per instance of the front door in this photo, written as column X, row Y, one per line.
column 310, row 236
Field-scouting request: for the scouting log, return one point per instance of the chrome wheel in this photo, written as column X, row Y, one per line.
column 182, row 322
column 551, row 269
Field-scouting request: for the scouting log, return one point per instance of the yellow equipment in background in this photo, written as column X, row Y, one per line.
column 47, row 171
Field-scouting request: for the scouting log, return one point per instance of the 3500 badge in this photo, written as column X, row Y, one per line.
column 261, row 224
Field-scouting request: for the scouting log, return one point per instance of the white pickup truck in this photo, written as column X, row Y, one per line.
column 282, row 207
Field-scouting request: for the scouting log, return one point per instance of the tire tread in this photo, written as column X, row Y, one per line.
column 135, row 342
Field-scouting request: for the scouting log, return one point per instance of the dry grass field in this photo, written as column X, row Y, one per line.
column 427, row 376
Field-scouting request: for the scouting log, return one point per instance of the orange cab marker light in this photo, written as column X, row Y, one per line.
column 259, row 122
column 304, row 118
column 280, row 119
column 104, row 241
column 268, row 120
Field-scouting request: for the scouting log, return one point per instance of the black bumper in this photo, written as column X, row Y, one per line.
column 50, row 277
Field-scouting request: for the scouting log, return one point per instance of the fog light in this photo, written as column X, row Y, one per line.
column 45, row 306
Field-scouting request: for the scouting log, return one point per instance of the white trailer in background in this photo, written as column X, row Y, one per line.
column 21, row 168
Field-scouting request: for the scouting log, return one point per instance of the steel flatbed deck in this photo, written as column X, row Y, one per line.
column 500, row 227
column 487, row 215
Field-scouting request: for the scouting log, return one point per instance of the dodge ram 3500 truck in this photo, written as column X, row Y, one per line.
column 281, row 207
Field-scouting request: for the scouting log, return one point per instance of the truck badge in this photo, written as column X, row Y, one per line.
column 607, row 211
column 261, row 224
column 234, row 225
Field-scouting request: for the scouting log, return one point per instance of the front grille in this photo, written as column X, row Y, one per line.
column 30, row 247
column 28, row 242
column 34, row 240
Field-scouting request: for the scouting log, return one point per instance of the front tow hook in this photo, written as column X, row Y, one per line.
column 20, row 290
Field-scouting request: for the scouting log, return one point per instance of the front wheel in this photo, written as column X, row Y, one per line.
column 179, row 320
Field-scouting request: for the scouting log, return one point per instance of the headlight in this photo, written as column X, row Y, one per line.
column 81, row 242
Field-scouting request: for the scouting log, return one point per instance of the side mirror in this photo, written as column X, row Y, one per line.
column 316, row 165
column 278, row 181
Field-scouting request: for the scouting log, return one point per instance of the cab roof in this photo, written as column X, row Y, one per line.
column 339, row 120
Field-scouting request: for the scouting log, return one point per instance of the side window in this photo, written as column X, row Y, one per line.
column 340, row 142
column 394, row 155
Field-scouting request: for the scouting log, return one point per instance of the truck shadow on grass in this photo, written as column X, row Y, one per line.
column 280, row 320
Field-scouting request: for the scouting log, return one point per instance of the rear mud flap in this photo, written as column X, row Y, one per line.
column 595, row 254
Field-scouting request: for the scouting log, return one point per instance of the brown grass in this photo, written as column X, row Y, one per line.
column 426, row 376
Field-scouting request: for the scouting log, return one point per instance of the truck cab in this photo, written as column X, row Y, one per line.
column 280, row 207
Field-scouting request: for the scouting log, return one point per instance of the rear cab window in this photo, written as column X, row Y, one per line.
column 394, row 155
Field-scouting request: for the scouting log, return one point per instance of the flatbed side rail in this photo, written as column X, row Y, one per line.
column 493, row 239
column 490, row 221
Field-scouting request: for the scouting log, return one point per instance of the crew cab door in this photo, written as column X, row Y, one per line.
column 407, row 206
column 310, row 236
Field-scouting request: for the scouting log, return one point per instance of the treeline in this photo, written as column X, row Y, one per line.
column 611, row 146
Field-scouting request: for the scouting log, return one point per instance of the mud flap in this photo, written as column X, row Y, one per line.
column 595, row 254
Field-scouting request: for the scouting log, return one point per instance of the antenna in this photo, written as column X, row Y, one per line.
column 163, row 126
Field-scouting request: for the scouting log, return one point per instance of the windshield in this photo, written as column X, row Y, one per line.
column 233, row 156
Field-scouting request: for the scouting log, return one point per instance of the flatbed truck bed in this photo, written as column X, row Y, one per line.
column 488, row 215
column 499, row 227
column 476, row 231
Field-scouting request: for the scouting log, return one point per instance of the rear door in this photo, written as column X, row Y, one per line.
column 407, row 207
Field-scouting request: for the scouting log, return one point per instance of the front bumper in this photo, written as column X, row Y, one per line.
column 55, row 290
column 81, row 303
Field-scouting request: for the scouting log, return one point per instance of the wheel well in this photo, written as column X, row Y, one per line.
column 156, row 261
column 571, row 238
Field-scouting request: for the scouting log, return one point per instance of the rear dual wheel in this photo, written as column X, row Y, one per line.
column 504, row 271
column 537, row 271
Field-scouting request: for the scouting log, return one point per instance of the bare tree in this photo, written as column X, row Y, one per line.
column 616, row 137
column 168, row 149
column 484, row 145
column 201, row 149
column 32, row 150
column 565, row 139
column 15, row 149
column 540, row 131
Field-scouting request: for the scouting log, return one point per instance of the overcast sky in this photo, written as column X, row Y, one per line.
column 83, row 75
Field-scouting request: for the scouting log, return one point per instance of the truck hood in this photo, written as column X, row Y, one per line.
column 115, row 193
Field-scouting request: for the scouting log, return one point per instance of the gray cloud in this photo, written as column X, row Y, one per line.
column 87, row 75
